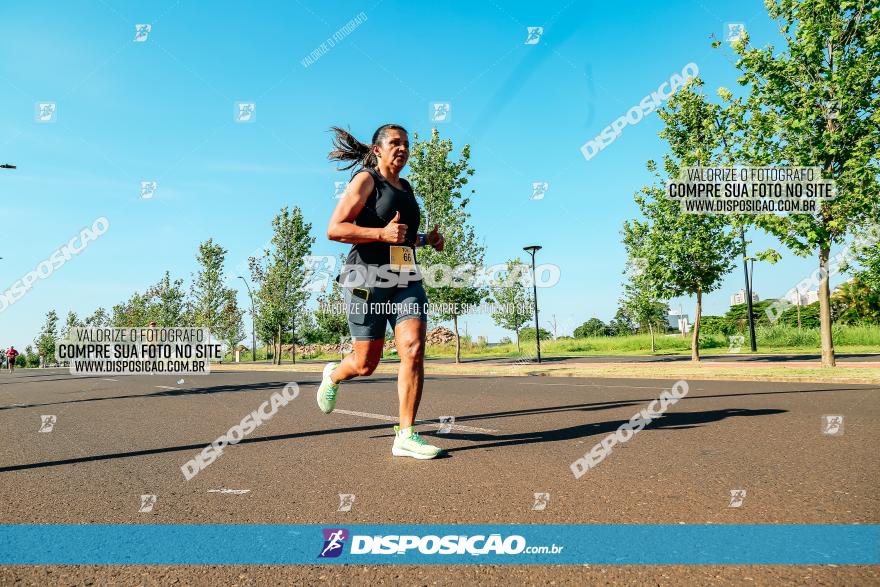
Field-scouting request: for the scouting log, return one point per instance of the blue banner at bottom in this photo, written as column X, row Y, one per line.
column 255, row 544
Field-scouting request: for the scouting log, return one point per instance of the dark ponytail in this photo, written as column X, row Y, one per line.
column 348, row 148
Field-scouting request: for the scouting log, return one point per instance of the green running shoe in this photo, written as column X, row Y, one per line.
column 327, row 390
column 413, row 446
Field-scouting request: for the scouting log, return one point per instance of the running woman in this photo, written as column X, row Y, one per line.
column 379, row 216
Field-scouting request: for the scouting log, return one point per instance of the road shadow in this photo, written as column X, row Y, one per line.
column 673, row 421
column 51, row 377
column 183, row 391
column 187, row 447
column 670, row 421
column 276, row 385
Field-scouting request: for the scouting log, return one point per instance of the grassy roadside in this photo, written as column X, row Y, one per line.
column 776, row 340
column 770, row 340
column 503, row 352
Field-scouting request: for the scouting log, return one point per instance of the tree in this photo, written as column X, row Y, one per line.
column 737, row 315
column 622, row 324
column 31, row 359
column 528, row 333
column 231, row 327
column 804, row 316
column 868, row 260
column 438, row 180
column 306, row 330
column 641, row 302
column 45, row 341
column 280, row 275
column 684, row 254
column 130, row 313
column 330, row 317
column 72, row 322
column 856, row 302
column 511, row 298
column 816, row 103
column 592, row 327
column 208, row 294
column 716, row 325
column 166, row 303
column 163, row 303
column 98, row 319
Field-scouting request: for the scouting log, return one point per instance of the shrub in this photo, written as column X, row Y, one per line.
column 529, row 334
column 592, row 327
column 715, row 325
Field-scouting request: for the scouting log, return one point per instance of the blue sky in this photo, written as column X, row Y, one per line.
column 162, row 110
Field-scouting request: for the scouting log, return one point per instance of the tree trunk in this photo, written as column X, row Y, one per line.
column 277, row 359
column 457, row 340
column 518, row 349
column 651, row 329
column 293, row 341
column 825, row 310
column 695, row 338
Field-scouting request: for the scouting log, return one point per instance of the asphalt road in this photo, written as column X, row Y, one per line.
column 115, row 439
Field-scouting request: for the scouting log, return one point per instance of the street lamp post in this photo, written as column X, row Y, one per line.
column 533, row 249
column 751, row 321
column 253, row 320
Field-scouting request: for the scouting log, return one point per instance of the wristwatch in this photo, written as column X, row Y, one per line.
column 421, row 239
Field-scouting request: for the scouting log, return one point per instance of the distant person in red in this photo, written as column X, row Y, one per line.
column 11, row 354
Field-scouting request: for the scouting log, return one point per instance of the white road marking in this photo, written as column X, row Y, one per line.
column 597, row 385
column 232, row 491
column 422, row 422
column 108, row 379
column 165, row 387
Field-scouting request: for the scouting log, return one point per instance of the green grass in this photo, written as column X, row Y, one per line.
column 772, row 339
column 843, row 335
column 600, row 345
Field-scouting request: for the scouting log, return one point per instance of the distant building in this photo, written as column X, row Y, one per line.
column 810, row 297
column 740, row 298
column 806, row 297
column 678, row 321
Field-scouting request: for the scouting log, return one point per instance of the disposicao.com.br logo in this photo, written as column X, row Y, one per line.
column 393, row 544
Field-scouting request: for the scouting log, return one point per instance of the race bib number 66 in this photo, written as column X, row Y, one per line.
column 402, row 259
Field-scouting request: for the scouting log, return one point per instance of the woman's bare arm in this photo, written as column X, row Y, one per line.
column 342, row 227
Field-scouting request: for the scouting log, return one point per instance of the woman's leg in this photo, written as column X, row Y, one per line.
column 409, row 336
column 362, row 361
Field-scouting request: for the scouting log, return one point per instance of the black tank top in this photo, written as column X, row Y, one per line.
column 378, row 211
